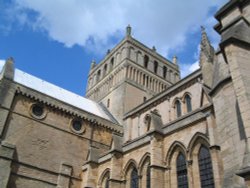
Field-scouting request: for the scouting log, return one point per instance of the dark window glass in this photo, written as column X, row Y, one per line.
column 134, row 179
column 105, row 70
column 98, row 75
column 164, row 72
column 144, row 79
column 188, row 103
column 155, row 66
column 205, row 167
column 181, row 171
column 107, row 183
column 108, row 103
column 111, row 63
column 148, row 177
column 37, row 110
column 77, row 125
column 178, row 108
column 146, row 59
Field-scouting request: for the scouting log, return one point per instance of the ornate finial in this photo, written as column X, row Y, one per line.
column 10, row 60
column 204, row 38
column 206, row 47
column 128, row 30
column 154, row 49
column 175, row 60
column 93, row 64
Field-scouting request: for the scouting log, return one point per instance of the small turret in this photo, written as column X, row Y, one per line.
column 128, row 31
column 175, row 60
column 8, row 69
column 93, row 64
column 154, row 49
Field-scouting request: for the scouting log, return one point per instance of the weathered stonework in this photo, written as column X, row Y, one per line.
column 147, row 119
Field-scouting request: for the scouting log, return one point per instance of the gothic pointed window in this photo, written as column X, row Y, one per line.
column 188, row 103
column 107, row 183
column 205, row 167
column 148, row 177
column 181, row 167
column 134, row 179
column 178, row 108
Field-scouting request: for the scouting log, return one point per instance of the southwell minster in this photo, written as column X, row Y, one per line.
column 139, row 125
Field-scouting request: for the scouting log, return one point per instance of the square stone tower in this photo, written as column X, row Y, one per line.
column 130, row 74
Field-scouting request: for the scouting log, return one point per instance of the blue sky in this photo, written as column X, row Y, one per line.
column 56, row 40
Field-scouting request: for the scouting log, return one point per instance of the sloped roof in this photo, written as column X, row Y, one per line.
column 58, row 93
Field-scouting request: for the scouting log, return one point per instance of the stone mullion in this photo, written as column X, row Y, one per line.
column 190, row 173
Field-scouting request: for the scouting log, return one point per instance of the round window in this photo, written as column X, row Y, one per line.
column 77, row 126
column 38, row 111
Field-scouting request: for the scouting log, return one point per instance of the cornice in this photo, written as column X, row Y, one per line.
column 67, row 108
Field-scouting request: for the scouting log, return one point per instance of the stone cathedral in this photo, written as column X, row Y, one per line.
column 140, row 125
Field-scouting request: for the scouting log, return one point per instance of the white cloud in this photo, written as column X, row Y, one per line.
column 186, row 69
column 2, row 62
column 77, row 22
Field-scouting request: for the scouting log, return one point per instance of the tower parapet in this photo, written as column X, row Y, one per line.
column 129, row 74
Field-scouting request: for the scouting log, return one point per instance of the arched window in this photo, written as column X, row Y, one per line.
column 164, row 72
column 155, row 66
column 181, row 171
column 105, row 70
column 107, row 182
column 148, row 177
column 178, row 108
column 205, row 167
column 98, row 75
column 188, row 103
column 146, row 59
column 134, row 179
column 111, row 63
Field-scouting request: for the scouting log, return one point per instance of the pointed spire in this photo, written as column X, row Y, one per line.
column 206, row 61
column 128, row 31
column 205, row 43
column 205, row 46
